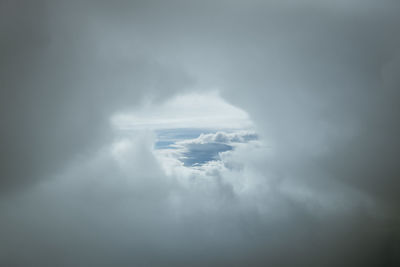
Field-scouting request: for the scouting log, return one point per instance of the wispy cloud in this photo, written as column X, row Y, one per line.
column 194, row 110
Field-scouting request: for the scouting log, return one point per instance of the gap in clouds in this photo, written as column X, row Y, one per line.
column 192, row 129
column 205, row 147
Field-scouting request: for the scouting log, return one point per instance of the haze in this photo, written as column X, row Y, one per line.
column 199, row 133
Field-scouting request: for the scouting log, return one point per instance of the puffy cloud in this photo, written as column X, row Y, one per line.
column 222, row 137
column 118, row 207
column 203, row 149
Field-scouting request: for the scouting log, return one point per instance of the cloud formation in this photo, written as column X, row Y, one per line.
column 115, row 207
column 319, row 80
column 208, row 147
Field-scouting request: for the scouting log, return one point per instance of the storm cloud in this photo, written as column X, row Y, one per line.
column 318, row 81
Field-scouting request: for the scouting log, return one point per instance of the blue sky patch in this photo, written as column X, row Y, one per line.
column 196, row 147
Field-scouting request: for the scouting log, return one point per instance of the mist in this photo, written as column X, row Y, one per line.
column 279, row 125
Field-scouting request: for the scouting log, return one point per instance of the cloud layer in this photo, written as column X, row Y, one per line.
column 319, row 80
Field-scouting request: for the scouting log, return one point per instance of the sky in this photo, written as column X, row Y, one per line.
column 199, row 133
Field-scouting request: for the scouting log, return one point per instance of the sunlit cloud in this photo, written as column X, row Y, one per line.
column 206, row 111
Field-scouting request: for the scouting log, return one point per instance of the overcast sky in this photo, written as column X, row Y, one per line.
column 280, row 122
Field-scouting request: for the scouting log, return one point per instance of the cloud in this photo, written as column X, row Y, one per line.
column 117, row 206
column 207, row 147
column 177, row 144
column 194, row 110
column 222, row 137
column 318, row 79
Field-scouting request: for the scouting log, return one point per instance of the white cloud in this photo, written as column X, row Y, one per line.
column 239, row 136
column 207, row 110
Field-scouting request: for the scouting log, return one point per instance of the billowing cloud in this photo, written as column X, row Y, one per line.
column 317, row 81
column 207, row 147
column 118, row 207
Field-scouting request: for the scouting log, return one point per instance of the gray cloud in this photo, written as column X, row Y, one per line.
column 120, row 209
column 61, row 79
column 319, row 79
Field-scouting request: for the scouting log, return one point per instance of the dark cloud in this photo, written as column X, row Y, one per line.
column 319, row 79
column 61, row 80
